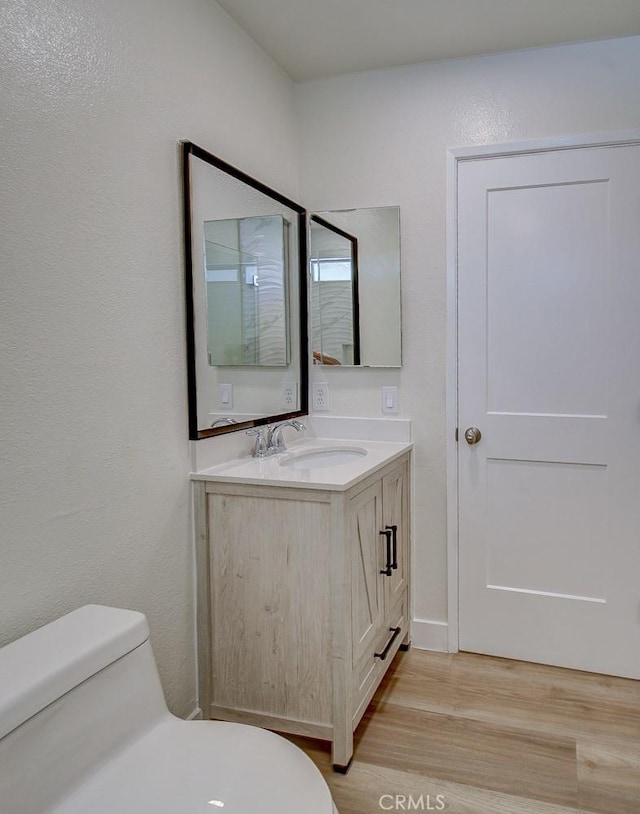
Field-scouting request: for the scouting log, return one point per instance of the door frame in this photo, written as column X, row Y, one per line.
column 453, row 157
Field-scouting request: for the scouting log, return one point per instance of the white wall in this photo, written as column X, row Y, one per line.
column 95, row 94
column 380, row 138
column 94, row 504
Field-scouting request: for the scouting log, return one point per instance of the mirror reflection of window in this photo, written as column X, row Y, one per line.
column 246, row 274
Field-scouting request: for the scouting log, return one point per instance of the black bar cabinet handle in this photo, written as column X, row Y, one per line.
column 394, row 532
column 387, row 568
column 396, row 632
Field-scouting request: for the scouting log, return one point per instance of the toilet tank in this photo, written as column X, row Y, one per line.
column 72, row 695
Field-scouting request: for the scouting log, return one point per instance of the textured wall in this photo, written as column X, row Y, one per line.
column 94, row 503
column 379, row 139
column 95, row 94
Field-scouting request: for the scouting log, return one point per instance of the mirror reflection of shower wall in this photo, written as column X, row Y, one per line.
column 246, row 282
column 377, row 232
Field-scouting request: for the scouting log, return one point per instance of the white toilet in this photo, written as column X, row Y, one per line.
column 84, row 729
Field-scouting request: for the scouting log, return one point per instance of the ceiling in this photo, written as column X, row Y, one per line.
column 318, row 38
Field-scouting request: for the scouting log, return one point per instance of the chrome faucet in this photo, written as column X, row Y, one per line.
column 276, row 439
column 219, row 422
column 269, row 440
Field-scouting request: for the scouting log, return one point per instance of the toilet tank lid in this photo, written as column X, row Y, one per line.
column 45, row 664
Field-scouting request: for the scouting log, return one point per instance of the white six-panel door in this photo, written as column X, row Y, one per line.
column 549, row 372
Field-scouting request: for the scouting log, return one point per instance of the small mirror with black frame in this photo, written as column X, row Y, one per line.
column 355, row 294
column 246, row 298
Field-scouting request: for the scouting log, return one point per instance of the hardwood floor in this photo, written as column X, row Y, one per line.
column 469, row 734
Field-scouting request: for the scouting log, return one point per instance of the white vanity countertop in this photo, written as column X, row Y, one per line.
column 338, row 477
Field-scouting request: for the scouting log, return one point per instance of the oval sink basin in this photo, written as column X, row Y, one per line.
column 320, row 458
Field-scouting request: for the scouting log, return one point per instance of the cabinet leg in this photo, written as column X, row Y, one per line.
column 343, row 769
column 406, row 642
column 342, row 751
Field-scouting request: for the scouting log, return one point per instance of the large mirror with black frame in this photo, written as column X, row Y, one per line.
column 354, row 259
column 246, row 298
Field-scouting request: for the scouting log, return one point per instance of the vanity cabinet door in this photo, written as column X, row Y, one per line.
column 379, row 540
column 269, row 594
column 368, row 559
column 396, row 518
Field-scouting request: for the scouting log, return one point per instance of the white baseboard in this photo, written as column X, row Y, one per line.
column 429, row 635
column 196, row 715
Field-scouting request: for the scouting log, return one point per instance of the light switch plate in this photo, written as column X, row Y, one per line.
column 390, row 400
column 226, row 396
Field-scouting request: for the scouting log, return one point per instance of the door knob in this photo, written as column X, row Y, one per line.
column 472, row 435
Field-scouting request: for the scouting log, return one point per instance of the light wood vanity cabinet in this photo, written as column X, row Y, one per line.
column 302, row 601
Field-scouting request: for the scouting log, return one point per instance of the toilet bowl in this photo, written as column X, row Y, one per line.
column 84, row 729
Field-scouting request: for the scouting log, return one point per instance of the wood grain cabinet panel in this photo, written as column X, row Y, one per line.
column 271, row 623
column 298, row 600
column 367, row 560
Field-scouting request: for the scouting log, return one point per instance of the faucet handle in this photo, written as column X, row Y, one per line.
column 262, row 445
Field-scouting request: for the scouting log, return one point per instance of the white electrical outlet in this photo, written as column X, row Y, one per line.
column 290, row 395
column 320, row 396
column 389, row 399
